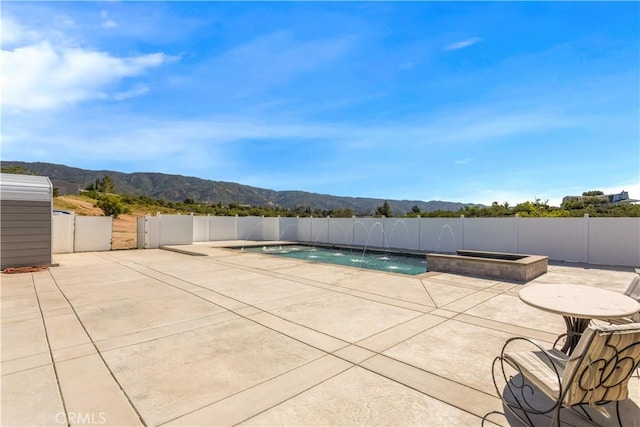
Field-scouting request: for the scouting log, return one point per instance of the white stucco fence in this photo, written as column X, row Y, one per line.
column 607, row 241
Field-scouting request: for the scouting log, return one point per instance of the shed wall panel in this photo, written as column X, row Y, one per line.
column 10, row 207
column 27, row 260
column 25, row 233
column 26, row 216
column 7, row 239
column 26, row 252
column 39, row 244
column 25, row 224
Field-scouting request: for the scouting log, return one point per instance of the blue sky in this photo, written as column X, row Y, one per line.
column 467, row 102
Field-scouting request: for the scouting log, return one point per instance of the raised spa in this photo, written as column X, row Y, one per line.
column 499, row 265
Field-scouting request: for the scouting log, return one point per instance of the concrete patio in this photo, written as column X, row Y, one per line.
column 158, row 337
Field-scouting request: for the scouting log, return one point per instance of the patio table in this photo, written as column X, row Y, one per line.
column 578, row 305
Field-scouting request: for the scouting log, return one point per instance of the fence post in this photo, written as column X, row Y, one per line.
column 73, row 234
column 585, row 239
column 145, row 242
column 353, row 230
column 516, row 218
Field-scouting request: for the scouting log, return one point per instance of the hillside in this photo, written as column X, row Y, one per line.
column 177, row 188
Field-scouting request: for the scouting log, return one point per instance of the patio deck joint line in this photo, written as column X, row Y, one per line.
column 403, row 340
column 316, row 283
column 258, row 308
column 393, row 327
column 432, row 395
column 341, row 289
column 171, row 334
column 493, row 324
column 429, row 294
column 99, row 354
column 298, row 394
column 46, row 336
column 261, row 383
column 374, row 353
column 478, row 291
column 246, row 317
column 22, row 359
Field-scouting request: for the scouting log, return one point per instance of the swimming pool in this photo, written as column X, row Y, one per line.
column 372, row 260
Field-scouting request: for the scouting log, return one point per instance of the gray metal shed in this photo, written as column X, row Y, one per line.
column 26, row 204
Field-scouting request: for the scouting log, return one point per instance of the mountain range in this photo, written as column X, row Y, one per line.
column 178, row 188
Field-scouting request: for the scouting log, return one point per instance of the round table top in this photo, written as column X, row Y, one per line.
column 580, row 301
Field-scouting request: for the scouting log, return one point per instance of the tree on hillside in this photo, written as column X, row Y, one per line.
column 104, row 185
column 384, row 210
column 593, row 193
column 341, row 213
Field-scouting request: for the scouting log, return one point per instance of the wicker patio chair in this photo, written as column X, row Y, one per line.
column 596, row 373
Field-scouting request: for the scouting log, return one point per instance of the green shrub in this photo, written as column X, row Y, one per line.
column 111, row 205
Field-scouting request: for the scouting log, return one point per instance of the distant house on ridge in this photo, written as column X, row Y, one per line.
column 621, row 197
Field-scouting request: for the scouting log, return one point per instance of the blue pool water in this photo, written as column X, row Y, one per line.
column 381, row 261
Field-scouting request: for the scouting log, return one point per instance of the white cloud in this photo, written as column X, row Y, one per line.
column 13, row 33
column 463, row 161
column 274, row 59
column 137, row 90
column 47, row 75
column 109, row 24
column 463, row 43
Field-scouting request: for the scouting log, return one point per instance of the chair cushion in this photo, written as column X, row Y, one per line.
column 610, row 354
column 598, row 369
column 633, row 290
column 538, row 368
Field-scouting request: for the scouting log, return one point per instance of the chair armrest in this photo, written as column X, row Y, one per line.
column 552, row 354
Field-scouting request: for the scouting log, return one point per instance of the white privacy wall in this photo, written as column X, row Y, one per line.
column 288, row 229
column 368, row 232
column 399, row 233
column 93, row 233
column 270, row 228
column 250, row 228
column 62, row 230
column 223, row 228
column 201, row 226
column 304, row 230
column 176, row 229
column 441, row 234
column 487, row 234
column 340, row 231
column 558, row 238
column 612, row 241
column 74, row 233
